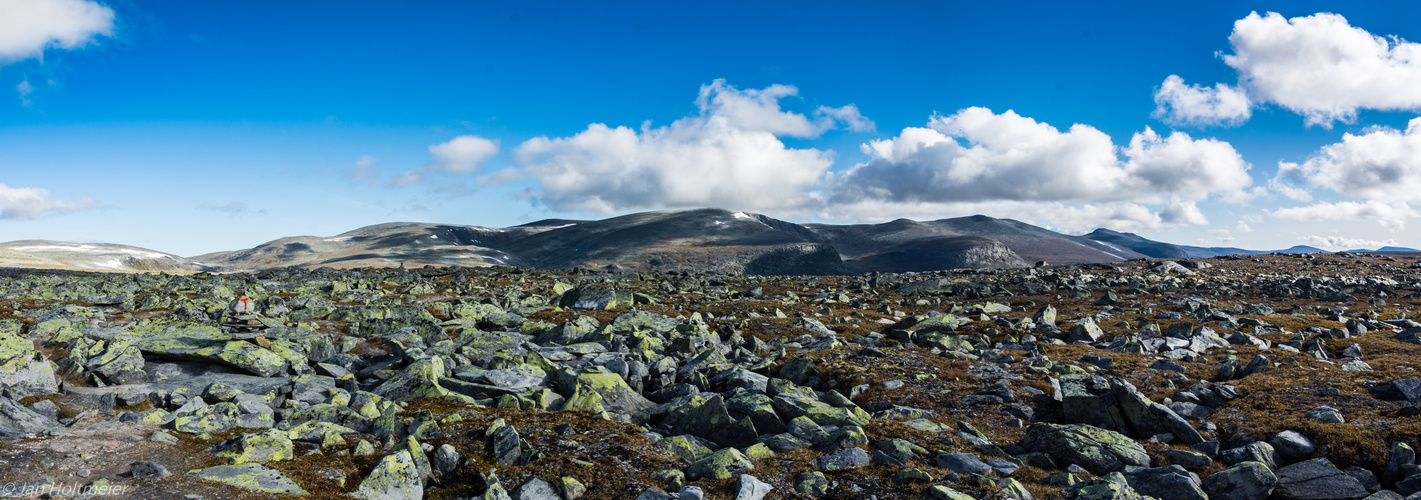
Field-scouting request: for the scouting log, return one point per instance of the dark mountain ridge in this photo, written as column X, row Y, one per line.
column 699, row 240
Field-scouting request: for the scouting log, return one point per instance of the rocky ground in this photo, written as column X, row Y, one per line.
column 1279, row 376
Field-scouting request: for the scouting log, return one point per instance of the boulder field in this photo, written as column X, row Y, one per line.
column 1279, row 376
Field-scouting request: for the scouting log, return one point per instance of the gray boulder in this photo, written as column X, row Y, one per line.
column 845, row 459
column 1116, row 405
column 1401, row 464
column 1256, row 451
column 963, row 463
column 445, row 459
column 589, row 296
column 1243, row 481
column 748, row 487
column 1292, row 445
column 149, row 470
column 1166, row 483
column 18, row 421
column 535, row 489
column 1317, row 479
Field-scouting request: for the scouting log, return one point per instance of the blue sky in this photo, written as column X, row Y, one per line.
column 192, row 127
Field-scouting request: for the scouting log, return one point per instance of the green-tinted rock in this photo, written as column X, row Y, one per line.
column 215, row 418
column 814, row 484
column 315, row 430
column 911, row 475
column 723, row 464
column 798, row 370
column 364, row 448
column 1098, row 450
column 22, row 371
column 689, row 448
column 395, row 476
column 267, row 446
column 614, row 393
column 940, row 492
column 758, row 451
column 255, row 477
column 1109, row 487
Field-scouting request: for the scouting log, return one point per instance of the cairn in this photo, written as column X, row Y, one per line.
column 244, row 322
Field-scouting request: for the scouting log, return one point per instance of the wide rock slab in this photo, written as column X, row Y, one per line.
column 237, row 353
column 17, row 421
column 1317, row 479
column 255, row 477
column 1098, row 450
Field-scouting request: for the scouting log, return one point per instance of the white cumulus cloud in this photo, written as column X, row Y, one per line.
column 1382, row 164
column 1178, row 103
column 977, row 156
column 728, row 155
column 28, row 27
column 1322, row 67
column 1345, row 243
column 462, row 155
column 28, row 203
column 1392, row 216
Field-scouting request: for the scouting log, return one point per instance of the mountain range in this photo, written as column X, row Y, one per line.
column 711, row 240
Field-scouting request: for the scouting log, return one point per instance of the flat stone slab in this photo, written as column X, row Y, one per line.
column 255, row 477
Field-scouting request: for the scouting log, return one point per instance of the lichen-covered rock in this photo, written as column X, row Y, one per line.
column 255, row 477
column 611, row 393
column 315, row 430
column 22, row 371
column 339, row 415
column 267, row 446
column 1098, row 450
column 723, row 464
column 240, row 354
column 119, row 359
column 419, row 380
column 214, row 418
column 395, row 477
column 814, row 484
column 1112, row 486
column 690, row 448
column 1243, row 481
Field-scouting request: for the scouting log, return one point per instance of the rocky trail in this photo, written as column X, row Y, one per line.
column 1283, row 376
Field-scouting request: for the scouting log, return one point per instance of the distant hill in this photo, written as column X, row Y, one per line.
column 1386, row 249
column 381, row 245
column 1029, row 243
column 1207, row 252
column 1133, row 242
column 704, row 239
column 92, row 256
